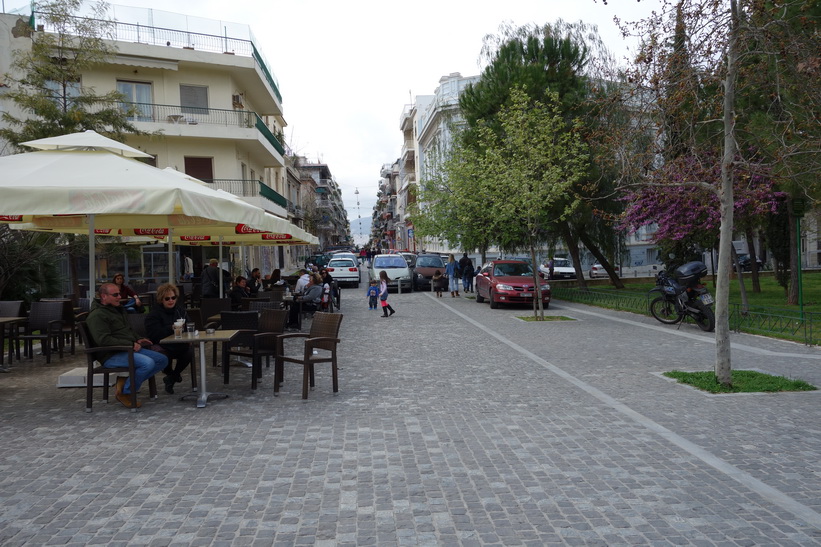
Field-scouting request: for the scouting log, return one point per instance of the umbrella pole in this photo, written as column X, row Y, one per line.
column 171, row 278
column 91, row 263
column 222, row 284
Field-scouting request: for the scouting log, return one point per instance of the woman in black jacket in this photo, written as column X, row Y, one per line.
column 159, row 324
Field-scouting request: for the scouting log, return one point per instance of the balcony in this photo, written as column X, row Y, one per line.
column 249, row 189
column 177, row 116
column 185, row 39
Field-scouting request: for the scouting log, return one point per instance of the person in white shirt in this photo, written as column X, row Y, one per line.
column 302, row 282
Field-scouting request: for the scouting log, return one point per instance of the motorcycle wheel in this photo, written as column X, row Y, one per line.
column 705, row 319
column 664, row 311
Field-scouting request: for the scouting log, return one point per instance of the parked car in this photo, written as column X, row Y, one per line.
column 319, row 259
column 344, row 270
column 508, row 282
column 745, row 262
column 346, row 254
column 597, row 270
column 426, row 266
column 397, row 269
column 562, row 269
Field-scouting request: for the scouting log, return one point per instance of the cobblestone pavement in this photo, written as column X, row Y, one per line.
column 454, row 425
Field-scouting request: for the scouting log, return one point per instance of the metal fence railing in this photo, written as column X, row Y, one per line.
column 764, row 321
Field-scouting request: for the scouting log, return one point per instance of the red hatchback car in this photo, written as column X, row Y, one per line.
column 508, row 282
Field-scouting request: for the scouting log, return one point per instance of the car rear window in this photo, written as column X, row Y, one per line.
column 386, row 262
column 340, row 263
column 519, row 268
column 429, row 262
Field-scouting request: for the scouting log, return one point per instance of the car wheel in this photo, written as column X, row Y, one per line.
column 479, row 297
column 493, row 304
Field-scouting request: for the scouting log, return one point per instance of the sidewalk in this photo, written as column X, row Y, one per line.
column 454, row 425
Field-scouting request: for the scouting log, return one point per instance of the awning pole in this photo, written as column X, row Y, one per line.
column 221, row 282
column 92, row 277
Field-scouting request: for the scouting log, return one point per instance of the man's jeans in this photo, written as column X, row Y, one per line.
column 467, row 282
column 147, row 363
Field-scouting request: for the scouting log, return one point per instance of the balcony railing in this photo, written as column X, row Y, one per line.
column 249, row 189
column 158, row 36
column 190, row 115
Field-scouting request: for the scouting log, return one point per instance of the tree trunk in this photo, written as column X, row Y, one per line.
column 538, row 306
column 594, row 249
column 745, row 304
column 795, row 267
column 723, row 365
column 573, row 249
column 750, row 235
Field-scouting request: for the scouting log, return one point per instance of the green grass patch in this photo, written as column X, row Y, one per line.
column 772, row 294
column 530, row 318
column 744, row 381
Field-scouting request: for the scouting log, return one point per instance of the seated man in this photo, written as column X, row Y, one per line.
column 310, row 300
column 302, row 282
column 109, row 326
column 238, row 292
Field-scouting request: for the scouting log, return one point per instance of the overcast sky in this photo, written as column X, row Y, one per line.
column 346, row 69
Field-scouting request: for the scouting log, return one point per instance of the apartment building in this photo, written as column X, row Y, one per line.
column 207, row 104
column 325, row 214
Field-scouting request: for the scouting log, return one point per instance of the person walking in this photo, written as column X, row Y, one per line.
column 466, row 266
column 383, row 294
column 439, row 283
column 452, row 271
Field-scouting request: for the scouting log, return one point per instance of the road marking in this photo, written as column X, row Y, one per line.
column 803, row 512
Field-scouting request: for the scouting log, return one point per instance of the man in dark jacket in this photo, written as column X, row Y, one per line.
column 466, row 268
column 109, row 326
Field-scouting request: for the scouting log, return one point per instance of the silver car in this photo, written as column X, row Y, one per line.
column 397, row 269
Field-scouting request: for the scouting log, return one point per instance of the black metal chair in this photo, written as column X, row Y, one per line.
column 247, row 322
column 324, row 335
column 210, row 307
column 45, row 324
column 93, row 352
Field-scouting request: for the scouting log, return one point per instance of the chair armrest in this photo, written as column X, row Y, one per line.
column 110, row 348
column 212, row 325
column 81, row 316
column 56, row 325
column 322, row 339
column 293, row 335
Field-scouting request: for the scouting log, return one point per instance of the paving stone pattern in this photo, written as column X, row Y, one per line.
column 454, row 425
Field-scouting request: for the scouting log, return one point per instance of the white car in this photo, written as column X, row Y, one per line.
column 397, row 269
column 344, row 270
column 597, row 270
column 562, row 269
column 346, row 254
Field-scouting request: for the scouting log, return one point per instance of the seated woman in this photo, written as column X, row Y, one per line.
column 238, row 292
column 276, row 278
column 133, row 304
column 158, row 325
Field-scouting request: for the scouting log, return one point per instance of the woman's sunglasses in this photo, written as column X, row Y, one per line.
column 169, row 298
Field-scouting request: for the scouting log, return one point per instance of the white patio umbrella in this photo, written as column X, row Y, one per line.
column 92, row 180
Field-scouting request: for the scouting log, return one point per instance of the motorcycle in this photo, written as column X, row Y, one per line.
column 682, row 295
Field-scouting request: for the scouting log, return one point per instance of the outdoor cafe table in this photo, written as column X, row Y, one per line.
column 4, row 323
column 202, row 338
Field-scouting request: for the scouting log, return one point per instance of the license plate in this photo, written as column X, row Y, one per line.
column 527, row 294
column 706, row 298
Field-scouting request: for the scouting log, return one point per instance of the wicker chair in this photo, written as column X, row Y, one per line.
column 69, row 320
column 247, row 322
column 324, row 335
column 45, row 324
column 264, row 305
column 12, row 308
column 92, row 351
